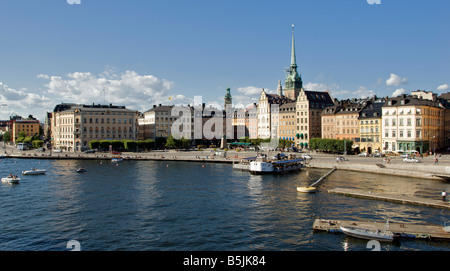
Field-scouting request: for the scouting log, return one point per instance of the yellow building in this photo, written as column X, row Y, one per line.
column 370, row 130
column 29, row 126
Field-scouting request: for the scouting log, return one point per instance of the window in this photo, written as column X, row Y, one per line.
column 409, row 133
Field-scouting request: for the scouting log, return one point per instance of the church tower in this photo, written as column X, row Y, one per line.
column 279, row 89
column 293, row 83
column 228, row 98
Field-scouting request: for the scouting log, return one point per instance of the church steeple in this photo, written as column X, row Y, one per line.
column 228, row 98
column 279, row 89
column 293, row 83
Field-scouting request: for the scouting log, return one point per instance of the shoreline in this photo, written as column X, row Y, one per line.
column 426, row 169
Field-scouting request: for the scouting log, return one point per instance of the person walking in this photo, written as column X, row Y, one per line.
column 444, row 195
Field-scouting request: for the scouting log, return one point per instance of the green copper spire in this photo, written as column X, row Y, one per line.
column 228, row 98
column 293, row 83
column 293, row 58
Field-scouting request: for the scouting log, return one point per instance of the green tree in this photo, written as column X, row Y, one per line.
column 171, row 142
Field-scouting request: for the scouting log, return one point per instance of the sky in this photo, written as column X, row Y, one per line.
column 139, row 53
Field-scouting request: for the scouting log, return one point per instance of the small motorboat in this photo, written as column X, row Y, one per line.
column 116, row 159
column 307, row 189
column 11, row 179
column 34, row 171
column 363, row 233
column 81, row 170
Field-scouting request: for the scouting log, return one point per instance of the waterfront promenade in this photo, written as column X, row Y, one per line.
column 427, row 168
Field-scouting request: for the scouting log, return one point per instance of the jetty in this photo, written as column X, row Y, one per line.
column 313, row 187
column 391, row 197
column 405, row 230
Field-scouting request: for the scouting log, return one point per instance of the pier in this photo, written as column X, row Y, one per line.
column 313, row 187
column 391, row 198
column 406, row 230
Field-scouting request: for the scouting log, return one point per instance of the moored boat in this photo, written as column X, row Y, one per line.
column 34, row 171
column 116, row 159
column 264, row 166
column 364, row 233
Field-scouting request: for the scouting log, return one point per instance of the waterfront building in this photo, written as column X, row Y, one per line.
column 287, row 119
column 309, row 107
column 370, row 130
column 328, row 121
column 267, row 114
column 156, row 122
column 75, row 125
column 445, row 100
column 413, row 123
column 347, row 123
column 29, row 126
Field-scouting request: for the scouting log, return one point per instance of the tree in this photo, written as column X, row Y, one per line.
column 7, row 136
column 171, row 142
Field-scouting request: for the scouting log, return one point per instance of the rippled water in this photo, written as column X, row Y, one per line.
column 144, row 205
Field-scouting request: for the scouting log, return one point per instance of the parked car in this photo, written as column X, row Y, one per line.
column 341, row 158
column 306, row 156
column 89, row 151
column 411, row 160
column 379, row 154
column 363, row 154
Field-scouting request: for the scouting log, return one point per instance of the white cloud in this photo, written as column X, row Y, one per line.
column 398, row 92
column 251, row 90
column 129, row 88
column 396, row 80
column 363, row 92
column 20, row 102
column 443, row 87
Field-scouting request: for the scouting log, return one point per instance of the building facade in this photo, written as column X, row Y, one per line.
column 411, row 123
column 74, row 126
column 370, row 130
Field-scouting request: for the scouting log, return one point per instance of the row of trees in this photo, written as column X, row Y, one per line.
column 331, row 145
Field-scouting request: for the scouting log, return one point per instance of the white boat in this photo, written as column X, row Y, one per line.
column 263, row 166
column 34, row 171
column 9, row 179
column 364, row 233
column 116, row 159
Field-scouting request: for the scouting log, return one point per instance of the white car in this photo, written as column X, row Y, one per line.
column 411, row 160
column 363, row 154
column 306, row 156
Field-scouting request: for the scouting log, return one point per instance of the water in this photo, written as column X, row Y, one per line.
column 178, row 206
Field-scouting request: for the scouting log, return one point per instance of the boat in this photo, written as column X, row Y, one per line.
column 34, row 171
column 81, row 170
column 307, row 189
column 244, row 164
column 116, row 159
column 364, row 233
column 263, row 166
column 11, row 179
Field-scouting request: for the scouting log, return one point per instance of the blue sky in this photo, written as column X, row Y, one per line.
column 138, row 53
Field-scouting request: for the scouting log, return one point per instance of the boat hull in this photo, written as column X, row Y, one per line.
column 368, row 234
column 10, row 180
column 34, row 172
column 275, row 167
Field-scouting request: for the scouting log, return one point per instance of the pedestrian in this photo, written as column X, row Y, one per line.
column 436, row 161
column 444, row 195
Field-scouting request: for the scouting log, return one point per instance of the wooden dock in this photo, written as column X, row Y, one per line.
column 406, row 230
column 392, row 198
